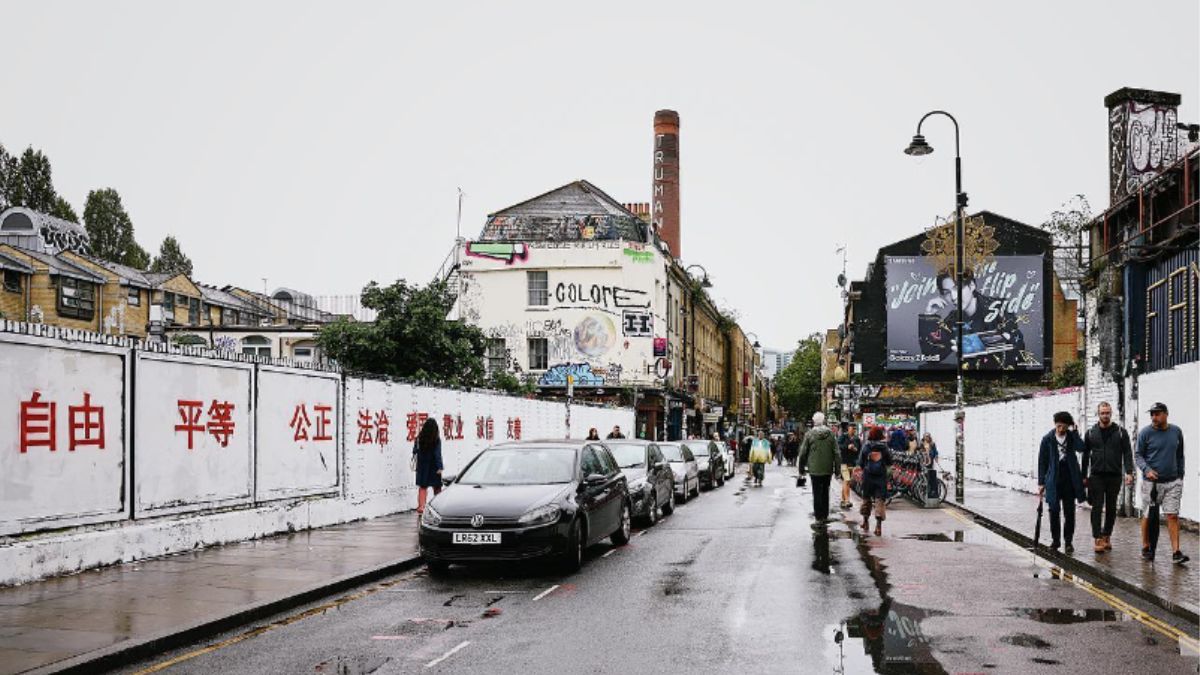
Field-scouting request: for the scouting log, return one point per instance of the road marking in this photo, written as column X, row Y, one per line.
column 642, row 533
column 546, row 592
column 448, row 654
column 1111, row 600
column 610, row 552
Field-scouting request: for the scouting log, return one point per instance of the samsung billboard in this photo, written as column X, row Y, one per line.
column 1004, row 315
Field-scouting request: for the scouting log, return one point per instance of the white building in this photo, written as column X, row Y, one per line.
column 774, row 361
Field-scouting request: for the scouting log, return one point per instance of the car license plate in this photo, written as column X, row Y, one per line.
column 476, row 538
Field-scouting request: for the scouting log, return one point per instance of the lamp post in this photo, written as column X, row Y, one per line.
column 753, row 392
column 700, row 283
column 918, row 147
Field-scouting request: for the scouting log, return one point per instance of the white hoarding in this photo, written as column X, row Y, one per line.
column 298, row 432
column 194, row 438
column 62, row 448
column 376, row 452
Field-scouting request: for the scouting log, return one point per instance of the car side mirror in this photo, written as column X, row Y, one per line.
column 595, row 479
column 447, row 480
column 660, row 465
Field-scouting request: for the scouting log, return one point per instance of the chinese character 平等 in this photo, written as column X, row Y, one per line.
column 37, row 423
column 220, row 421
column 189, row 414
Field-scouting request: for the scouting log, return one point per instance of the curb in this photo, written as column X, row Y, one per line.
column 1185, row 612
column 129, row 651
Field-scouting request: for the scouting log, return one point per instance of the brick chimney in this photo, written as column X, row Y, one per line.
column 665, row 194
column 1142, row 137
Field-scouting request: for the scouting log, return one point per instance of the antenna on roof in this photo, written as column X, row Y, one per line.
column 264, row 286
column 458, row 223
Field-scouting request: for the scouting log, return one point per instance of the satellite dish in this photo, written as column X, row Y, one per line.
column 842, row 280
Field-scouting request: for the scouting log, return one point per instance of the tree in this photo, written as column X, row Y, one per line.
column 411, row 337
column 799, row 385
column 63, row 209
column 171, row 259
column 34, row 186
column 111, row 231
column 8, row 173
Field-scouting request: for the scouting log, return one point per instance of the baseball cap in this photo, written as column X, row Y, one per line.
column 1159, row 407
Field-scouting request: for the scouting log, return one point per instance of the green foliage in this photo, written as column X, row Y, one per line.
column 110, row 230
column 799, row 385
column 63, row 209
column 1073, row 374
column 411, row 337
column 171, row 259
column 510, row 383
column 188, row 339
column 27, row 182
column 1069, row 220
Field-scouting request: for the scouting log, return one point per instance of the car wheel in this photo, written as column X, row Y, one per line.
column 721, row 481
column 697, row 492
column 621, row 536
column 683, row 496
column 437, row 568
column 669, row 507
column 652, row 513
column 572, row 558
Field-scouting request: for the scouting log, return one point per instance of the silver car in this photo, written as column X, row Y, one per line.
column 683, row 465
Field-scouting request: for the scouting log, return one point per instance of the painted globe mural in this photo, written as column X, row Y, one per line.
column 595, row 335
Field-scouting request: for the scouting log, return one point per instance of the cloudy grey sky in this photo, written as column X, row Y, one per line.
column 320, row 145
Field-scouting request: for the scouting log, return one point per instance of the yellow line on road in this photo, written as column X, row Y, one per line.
column 1116, row 603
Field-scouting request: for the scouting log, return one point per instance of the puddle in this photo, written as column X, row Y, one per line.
column 1048, row 662
column 472, row 600
column 1026, row 640
column 673, row 582
column 927, row 537
column 1060, row 616
column 352, row 665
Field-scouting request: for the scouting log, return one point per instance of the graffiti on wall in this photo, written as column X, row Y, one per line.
column 1143, row 139
column 638, row 255
column 595, row 335
column 564, row 228
column 602, row 295
column 60, row 239
column 508, row 253
column 581, row 373
column 637, row 324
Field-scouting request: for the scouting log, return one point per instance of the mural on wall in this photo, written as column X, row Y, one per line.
column 637, row 324
column 59, row 239
column 114, row 323
column 637, row 255
column 1143, row 140
column 595, row 335
column 508, row 253
column 582, row 373
column 564, row 228
column 225, row 343
column 603, row 296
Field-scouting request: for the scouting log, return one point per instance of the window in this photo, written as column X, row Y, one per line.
column 76, row 299
column 538, row 348
column 497, row 355
column 194, row 311
column 590, row 463
column 12, row 281
column 256, row 345
column 607, row 461
column 539, row 288
column 168, row 306
column 133, row 297
column 229, row 317
column 303, row 351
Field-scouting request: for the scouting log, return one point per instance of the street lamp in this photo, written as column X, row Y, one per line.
column 704, row 282
column 918, row 148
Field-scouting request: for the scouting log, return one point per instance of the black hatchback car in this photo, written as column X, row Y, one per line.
column 651, row 482
column 710, row 462
column 525, row 500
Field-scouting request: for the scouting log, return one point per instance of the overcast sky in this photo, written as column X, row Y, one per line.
column 321, row 145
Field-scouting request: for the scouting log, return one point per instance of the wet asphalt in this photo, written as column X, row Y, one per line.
column 735, row 581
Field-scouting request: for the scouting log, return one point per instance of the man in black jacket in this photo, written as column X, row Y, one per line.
column 1107, row 450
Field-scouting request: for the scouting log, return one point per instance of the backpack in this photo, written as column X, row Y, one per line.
column 874, row 468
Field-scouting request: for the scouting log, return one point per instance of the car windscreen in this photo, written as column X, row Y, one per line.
column 628, row 455
column 673, row 453
column 521, row 466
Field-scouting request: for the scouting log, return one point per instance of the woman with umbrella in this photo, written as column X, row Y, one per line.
column 1060, row 481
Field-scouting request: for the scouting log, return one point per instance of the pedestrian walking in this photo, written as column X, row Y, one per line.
column 427, row 462
column 791, row 448
column 850, row 446
column 1159, row 457
column 898, row 441
column 819, row 456
column 875, row 460
column 929, row 460
column 593, row 434
column 616, row 432
column 760, row 454
column 1060, row 481
column 1108, row 455
column 777, row 450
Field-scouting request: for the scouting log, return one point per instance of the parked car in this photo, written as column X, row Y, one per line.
column 710, row 463
column 526, row 500
column 651, row 482
column 730, row 459
column 683, row 466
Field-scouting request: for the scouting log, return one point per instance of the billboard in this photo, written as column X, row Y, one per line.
column 1004, row 315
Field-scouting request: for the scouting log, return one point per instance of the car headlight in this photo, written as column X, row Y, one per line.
column 541, row 515
column 430, row 517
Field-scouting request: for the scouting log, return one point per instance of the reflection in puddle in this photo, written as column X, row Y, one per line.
column 1060, row 616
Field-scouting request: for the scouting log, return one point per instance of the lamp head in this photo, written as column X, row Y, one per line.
column 705, row 283
column 918, row 147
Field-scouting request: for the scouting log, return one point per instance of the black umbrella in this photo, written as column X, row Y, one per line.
column 1037, row 529
column 1152, row 519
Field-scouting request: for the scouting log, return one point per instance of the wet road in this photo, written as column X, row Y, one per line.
column 734, row 580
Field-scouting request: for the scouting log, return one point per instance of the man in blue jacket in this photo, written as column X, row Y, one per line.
column 1060, row 481
column 1159, row 456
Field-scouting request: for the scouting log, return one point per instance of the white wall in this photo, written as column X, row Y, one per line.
column 593, row 286
column 1179, row 389
column 78, row 509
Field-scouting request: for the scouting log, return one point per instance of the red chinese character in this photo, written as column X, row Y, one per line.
column 509, row 432
column 381, row 428
column 189, row 412
column 479, row 427
column 490, row 428
column 91, row 424
column 517, row 428
column 37, row 417
column 448, row 427
column 300, row 423
column 364, row 428
column 415, row 421
column 322, row 423
column 220, row 421
column 458, row 425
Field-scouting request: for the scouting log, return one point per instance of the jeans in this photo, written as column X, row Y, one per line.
column 1103, row 489
column 820, row 487
column 1066, row 508
column 759, row 470
column 931, row 481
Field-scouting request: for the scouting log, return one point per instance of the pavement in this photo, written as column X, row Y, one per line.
column 1173, row 587
column 111, row 615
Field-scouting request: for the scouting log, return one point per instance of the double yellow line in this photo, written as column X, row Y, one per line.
column 1186, row 642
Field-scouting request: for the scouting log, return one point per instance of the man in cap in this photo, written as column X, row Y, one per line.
column 1159, row 458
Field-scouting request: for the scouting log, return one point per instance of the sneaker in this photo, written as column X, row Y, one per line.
column 1179, row 558
column 1147, row 554
column 1054, row 545
column 1099, row 547
column 1069, row 548
column 1107, row 542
